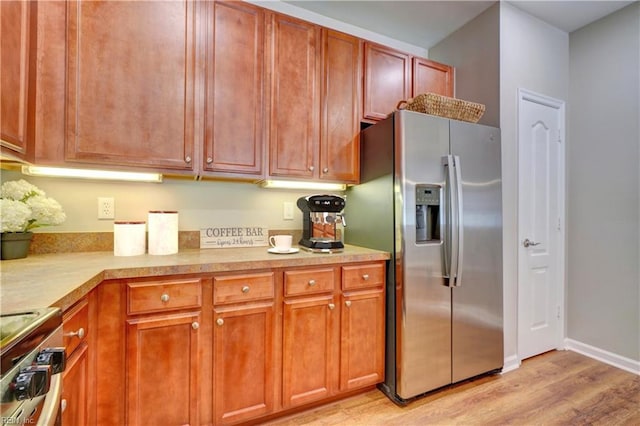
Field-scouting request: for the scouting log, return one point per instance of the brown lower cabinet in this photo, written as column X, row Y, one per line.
column 162, row 369
column 236, row 347
column 243, row 347
column 75, row 393
column 310, row 335
column 78, row 407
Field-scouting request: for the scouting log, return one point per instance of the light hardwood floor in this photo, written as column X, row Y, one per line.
column 556, row 388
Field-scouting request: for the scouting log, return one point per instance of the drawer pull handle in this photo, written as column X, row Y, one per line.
column 219, row 321
column 348, row 303
column 312, row 283
column 332, row 306
column 365, row 277
column 79, row 334
column 164, row 297
column 195, row 325
column 245, row 289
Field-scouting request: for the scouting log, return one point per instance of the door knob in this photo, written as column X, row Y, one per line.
column 528, row 243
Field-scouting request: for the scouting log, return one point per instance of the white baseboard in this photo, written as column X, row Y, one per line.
column 511, row 363
column 610, row 358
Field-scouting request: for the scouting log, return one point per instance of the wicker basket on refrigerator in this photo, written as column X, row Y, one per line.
column 444, row 106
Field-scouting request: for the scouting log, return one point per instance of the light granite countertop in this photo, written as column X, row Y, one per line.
column 62, row 279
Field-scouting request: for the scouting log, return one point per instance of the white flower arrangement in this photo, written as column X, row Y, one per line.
column 24, row 206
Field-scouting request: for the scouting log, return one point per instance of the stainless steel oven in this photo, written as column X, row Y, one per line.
column 32, row 358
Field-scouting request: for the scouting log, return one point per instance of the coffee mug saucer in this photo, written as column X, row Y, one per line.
column 287, row 251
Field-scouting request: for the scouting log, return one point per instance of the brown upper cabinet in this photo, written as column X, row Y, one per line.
column 234, row 134
column 294, row 74
column 341, row 94
column 391, row 76
column 387, row 80
column 131, row 83
column 314, row 102
column 17, row 76
column 431, row 76
column 222, row 89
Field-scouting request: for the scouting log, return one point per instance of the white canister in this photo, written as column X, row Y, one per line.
column 163, row 232
column 129, row 238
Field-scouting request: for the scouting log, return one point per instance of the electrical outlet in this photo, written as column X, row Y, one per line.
column 106, row 208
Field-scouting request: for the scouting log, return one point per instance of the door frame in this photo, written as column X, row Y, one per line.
column 560, row 105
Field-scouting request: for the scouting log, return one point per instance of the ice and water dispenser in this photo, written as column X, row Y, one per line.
column 427, row 213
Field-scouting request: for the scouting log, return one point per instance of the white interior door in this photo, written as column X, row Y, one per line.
column 540, row 223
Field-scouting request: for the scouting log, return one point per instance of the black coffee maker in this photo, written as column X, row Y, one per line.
column 322, row 223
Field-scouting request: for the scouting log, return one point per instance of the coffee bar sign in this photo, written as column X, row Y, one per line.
column 234, row 236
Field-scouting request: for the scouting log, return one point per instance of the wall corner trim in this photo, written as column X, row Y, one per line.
column 511, row 363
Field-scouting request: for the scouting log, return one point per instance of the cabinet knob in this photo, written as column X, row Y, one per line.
column 245, row 289
column 312, row 283
column 332, row 306
column 164, row 297
column 187, row 159
column 311, row 168
column 325, row 170
column 365, row 277
column 195, row 325
column 209, row 160
column 219, row 321
column 348, row 303
column 79, row 334
column 63, row 405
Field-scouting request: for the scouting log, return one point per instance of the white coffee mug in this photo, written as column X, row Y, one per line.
column 281, row 242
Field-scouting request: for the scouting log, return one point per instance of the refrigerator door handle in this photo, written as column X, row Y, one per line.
column 451, row 230
column 460, row 227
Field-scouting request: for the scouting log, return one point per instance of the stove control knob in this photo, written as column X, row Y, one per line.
column 53, row 357
column 31, row 382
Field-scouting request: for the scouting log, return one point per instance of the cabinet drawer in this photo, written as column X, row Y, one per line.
column 144, row 297
column 242, row 288
column 75, row 325
column 308, row 281
column 362, row 276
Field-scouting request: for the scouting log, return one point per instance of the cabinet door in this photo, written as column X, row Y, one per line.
column 75, row 382
column 431, row 76
column 243, row 359
column 362, row 339
column 387, row 80
column 17, row 72
column 162, row 369
column 309, row 351
column 131, row 84
column 340, row 140
column 294, row 69
column 235, row 74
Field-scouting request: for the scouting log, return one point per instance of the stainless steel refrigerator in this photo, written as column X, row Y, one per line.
column 430, row 194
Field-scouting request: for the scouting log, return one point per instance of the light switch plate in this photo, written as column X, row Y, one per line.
column 287, row 211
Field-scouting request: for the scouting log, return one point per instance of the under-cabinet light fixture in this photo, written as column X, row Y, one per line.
column 297, row 184
column 91, row 174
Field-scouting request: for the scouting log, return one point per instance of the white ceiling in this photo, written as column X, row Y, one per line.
column 424, row 23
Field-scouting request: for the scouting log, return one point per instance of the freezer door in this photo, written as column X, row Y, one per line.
column 423, row 315
column 477, row 300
